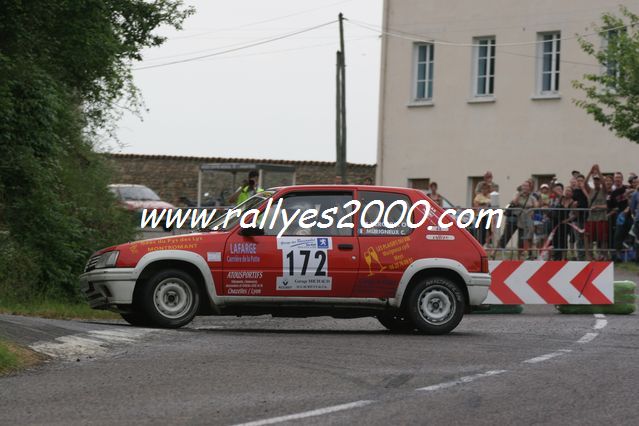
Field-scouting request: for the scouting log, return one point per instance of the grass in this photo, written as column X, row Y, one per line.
column 55, row 310
column 628, row 266
column 14, row 357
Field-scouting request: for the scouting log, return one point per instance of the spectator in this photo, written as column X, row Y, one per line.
column 544, row 195
column 488, row 179
column 483, row 228
column 526, row 202
column 608, row 184
column 634, row 208
column 541, row 218
column 618, row 206
column 248, row 188
column 434, row 195
column 580, row 197
column 597, row 222
column 562, row 215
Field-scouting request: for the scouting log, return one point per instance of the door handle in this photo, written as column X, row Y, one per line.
column 345, row 246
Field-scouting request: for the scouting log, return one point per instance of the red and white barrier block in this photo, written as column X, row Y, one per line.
column 515, row 282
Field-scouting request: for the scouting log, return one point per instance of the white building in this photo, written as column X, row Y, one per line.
column 469, row 86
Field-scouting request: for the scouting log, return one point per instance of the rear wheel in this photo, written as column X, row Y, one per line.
column 395, row 322
column 436, row 305
column 170, row 298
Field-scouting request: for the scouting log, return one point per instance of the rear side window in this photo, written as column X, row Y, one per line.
column 332, row 207
column 383, row 214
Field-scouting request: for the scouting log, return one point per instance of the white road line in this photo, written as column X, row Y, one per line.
column 460, row 381
column 546, row 357
column 587, row 338
column 600, row 323
column 306, row 414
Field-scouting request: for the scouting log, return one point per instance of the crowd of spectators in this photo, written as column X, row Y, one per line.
column 592, row 217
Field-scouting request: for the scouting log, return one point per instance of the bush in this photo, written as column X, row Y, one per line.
column 59, row 87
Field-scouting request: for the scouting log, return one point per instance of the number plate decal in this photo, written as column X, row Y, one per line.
column 304, row 263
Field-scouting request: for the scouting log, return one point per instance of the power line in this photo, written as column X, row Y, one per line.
column 264, row 21
column 213, row 49
column 426, row 39
column 292, row 49
column 563, row 61
column 246, row 46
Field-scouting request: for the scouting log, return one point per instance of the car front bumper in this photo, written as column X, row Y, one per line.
column 478, row 286
column 105, row 288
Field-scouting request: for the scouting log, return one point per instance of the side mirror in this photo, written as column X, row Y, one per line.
column 251, row 232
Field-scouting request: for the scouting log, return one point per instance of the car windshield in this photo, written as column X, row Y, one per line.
column 137, row 193
column 222, row 224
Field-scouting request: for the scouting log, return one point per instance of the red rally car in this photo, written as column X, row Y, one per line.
column 421, row 278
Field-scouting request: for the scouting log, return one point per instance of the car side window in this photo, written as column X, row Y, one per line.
column 377, row 206
column 332, row 208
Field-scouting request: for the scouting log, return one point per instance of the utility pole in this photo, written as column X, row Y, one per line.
column 340, row 110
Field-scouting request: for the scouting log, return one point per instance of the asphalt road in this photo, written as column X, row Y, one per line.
column 537, row 367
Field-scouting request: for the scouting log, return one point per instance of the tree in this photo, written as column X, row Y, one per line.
column 64, row 67
column 612, row 97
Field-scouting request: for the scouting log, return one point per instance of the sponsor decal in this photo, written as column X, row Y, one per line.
column 324, row 243
column 243, row 259
column 243, row 248
column 435, row 228
column 382, row 231
column 244, row 283
column 213, row 256
column 179, row 243
column 304, row 263
column 244, row 275
column 388, row 256
column 446, row 237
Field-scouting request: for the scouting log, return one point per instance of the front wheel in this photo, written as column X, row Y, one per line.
column 170, row 298
column 137, row 319
column 436, row 305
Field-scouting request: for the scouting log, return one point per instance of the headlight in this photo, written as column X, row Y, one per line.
column 107, row 260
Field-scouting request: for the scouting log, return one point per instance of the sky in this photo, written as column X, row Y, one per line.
column 273, row 101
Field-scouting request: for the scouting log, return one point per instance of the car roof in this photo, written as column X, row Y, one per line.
column 343, row 187
column 126, row 185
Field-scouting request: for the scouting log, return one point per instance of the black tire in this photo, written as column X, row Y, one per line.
column 396, row 323
column 137, row 319
column 436, row 305
column 170, row 298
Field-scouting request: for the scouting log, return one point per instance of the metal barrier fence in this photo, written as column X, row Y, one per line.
column 551, row 233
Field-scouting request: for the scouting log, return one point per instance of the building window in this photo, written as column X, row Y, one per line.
column 542, row 179
column 549, row 55
column 419, row 183
column 425, row 55
column 611, row 47
column 484, row 73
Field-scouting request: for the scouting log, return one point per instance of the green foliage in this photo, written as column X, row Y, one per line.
column 612, row 97
column 8, row 359
column 64, row 65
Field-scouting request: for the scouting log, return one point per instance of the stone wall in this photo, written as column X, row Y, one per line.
column 173, row 177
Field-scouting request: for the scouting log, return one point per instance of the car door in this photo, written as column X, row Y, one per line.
column 385, row 251
column 319, row 261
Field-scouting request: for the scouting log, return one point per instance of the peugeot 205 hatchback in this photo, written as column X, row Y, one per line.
column 422, row 278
